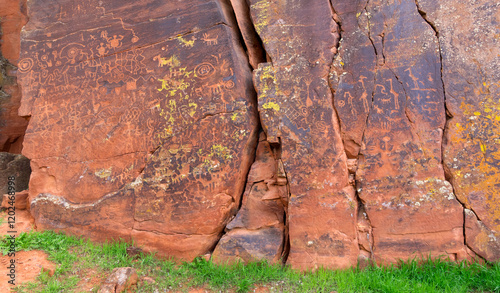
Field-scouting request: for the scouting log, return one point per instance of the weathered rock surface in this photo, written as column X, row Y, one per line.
column 378, row 125
column 258, row 230
column 19, row 201
column 296, row 111
column 16, row 167
column 400, row 177
column 142, row 124
column 471, row 76
column 12, row 127
column 120, row 280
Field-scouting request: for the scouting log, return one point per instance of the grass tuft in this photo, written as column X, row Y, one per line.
column 77, row 257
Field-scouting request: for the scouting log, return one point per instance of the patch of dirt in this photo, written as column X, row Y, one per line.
column 90, row 280
column 28, row 265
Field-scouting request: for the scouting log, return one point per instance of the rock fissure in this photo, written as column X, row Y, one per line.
column 423, row 14
column 151, row 126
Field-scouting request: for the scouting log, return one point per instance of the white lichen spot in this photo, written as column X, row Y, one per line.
column 103, row 173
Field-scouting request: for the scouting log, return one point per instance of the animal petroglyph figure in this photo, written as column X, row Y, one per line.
column 210, row 41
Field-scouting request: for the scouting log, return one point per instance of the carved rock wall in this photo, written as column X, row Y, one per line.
column 367, row 131
column 142, row 124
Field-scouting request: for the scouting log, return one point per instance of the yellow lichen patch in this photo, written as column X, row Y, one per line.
column 192, row 110
column 234, row 116
column 103, row 173
column 268, row 86
column 475, row 161
column 271, row 105
column 173, row 61
column 221, row 152
column 186, row 43
column 262, row 16
column 174, row 82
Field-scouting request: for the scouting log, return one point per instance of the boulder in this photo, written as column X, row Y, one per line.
column 258, row 230
column 14, row 169
column 120, row 280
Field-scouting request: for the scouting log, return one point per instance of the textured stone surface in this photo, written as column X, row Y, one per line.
column 120, row 280
column 295, row 106
column 481, row 239
column 367, row 132
column 142, row 124
column 12, row 127
column 400, row 177
column 258, row 230
column 20, row 201
column 17, row 166
column 471, row 76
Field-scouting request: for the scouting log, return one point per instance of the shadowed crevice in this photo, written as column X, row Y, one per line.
column 449, row 116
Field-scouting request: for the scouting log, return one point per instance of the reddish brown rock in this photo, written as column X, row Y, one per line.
column 388, row 92
column 258, row 230
column 19, row 200
column 12, row 127
column 142, row 124
column 470, row 47
column 120, row 280
column 480, row 238
column 14, row 169
column 295, row 106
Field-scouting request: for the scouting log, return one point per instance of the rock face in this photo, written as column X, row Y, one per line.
column 12, row 127
column 295, row 106
column 368, row 130
column 16, row 167
column 141, row 127
column 471, row 75
column 258, row 230
column 392, row 106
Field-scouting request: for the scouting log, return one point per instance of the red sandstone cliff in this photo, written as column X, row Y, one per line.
column 313, row 132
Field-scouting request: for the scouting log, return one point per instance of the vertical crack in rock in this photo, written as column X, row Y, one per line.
column 398, row 176
column 295, row 106
column 251, row 40
column 468, row 210
column 346, row 53
column 258, row 230
column 364, row 229
column 12, row 127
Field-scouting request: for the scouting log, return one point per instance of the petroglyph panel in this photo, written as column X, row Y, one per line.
column 158, row 107
column 295, row 106
column 400, row 177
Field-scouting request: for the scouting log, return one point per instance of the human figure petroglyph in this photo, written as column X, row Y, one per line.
column 102, row 49
column 395, row 94
column 364, row 95
column 349, row 97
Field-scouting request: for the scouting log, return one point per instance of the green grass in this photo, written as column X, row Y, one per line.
column 76, row 257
